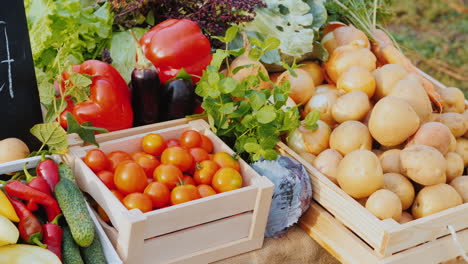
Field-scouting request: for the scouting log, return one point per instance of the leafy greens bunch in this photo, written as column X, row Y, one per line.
column 251, row 119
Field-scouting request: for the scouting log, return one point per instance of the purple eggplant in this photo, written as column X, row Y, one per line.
column 179, row 100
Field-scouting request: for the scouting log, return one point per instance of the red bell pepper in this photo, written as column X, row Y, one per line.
column 109, row 103
column 48, row 170
column 53, row 235
column 29, row 226
column 22, row 191
column 175, row 44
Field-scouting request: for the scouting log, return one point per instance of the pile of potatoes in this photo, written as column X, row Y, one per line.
column 379, row 140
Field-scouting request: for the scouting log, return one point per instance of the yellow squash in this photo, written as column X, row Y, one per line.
column 6, row 209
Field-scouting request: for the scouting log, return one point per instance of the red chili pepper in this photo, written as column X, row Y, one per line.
column 109, row 103
column 39, row 184
column 29, row 226
column 53, row 237
column 22, row 191
column 48, row 170
column 175, row 44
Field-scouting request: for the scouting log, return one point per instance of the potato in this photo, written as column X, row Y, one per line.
column 351, row 106
column 357, row 78
column 453, row 143
column 392, row 121
column 350, row 136
column 326, row 87
column 347, row 56
column 462, row 149
column 453, row 100
column 414, row 94
column 366, row 118
column 456, row 122
column 461, row 186
column 386, row 77
column 454, row 166
column 405, row 218
column 465, row 114
column 390, row 161
column 435, row 198
column 323, row 102
column 433, row 134
column 423, row 164
column 401, row 186
column 384, row 204
column 312, row 141
column 359, row 174
column 12, row 149
column 327, row 163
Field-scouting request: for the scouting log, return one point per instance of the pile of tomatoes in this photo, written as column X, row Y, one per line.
column 166, row 172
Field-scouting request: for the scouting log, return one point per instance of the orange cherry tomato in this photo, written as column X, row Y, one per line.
column 226, row 179
column 205, row 190
column 159, row 194
column 205, row 172
column 210, row 156
column 116, row 157
column 172, row 142
column 153, row 144
column 184, row 193
column 168, row 174
column 103, row 214
column 177, row 156
column 96, row 160
column 107, row 178
column 224, row 160
column 148, row 163
column 138, row 201
column 129, row 177
column 190, row 139
column 118, row 194
column 137, row 154
column 199, row 154
column 206, row 144
column 188, row 180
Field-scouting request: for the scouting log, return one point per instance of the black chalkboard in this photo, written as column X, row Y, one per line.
column 19, row 98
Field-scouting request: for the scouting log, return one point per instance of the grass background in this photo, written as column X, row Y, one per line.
column 434, row 34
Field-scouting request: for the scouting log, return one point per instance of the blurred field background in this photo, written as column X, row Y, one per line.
column 434, row 34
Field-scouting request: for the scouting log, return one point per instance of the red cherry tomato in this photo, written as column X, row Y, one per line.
column 153, row 144
column 226, row 179
column 96, row 160
column 205, row 190
column 107, row 178
column 159, row 194
column 206, row 144
column 184, row 193
column 172, row 143
column 199, row 154
column 116, row 157
column 137, row 154
column 168, row 174
column 205, row 172
column 224, row 160
column 188, row 180
column 138, row 201
column 190, row 139
column 148, row 163
column 129, row 177
column 177, row 156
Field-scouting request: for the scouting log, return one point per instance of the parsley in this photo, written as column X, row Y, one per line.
column 238, row 111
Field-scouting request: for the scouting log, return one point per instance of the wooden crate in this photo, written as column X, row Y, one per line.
column 424, row 240
column 200, row 231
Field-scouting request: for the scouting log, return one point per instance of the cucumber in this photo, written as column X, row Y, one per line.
column 66, row 172
column 70, row 250
column 93, row 254
column 73, row 206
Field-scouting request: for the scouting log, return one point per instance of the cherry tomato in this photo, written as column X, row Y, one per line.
column 206, row 144
column 168, row 174
column 116, row 157
column 159, row 194
column 199, row 154
column 188, row 180
column 190, row 139
column 118, row 194
column 137, row 154
column 172, row 142
column 224, row 160
column 226, row 179
column 130, row 177
column 184, row 193
column 210, row 156
column 103, row 214
column 107, row 178
column 205, row 172
column 138, row 201
column 148, row 163
column 205, row 190
column 177, row 156
column 153, row 144
column 96, row 160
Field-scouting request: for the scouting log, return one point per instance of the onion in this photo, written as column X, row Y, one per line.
column 302, row 86
column 323, row 102
column 345, row 57
column 329, row 42
column 314, row 70
column 326, row 87
column 357, row 78
column 344, row 35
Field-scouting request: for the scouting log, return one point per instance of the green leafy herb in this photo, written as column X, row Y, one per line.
column 310, row 122
column 85, row 130
column 52, row 135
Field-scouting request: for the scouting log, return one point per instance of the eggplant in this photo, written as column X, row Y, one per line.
column 178, row 100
